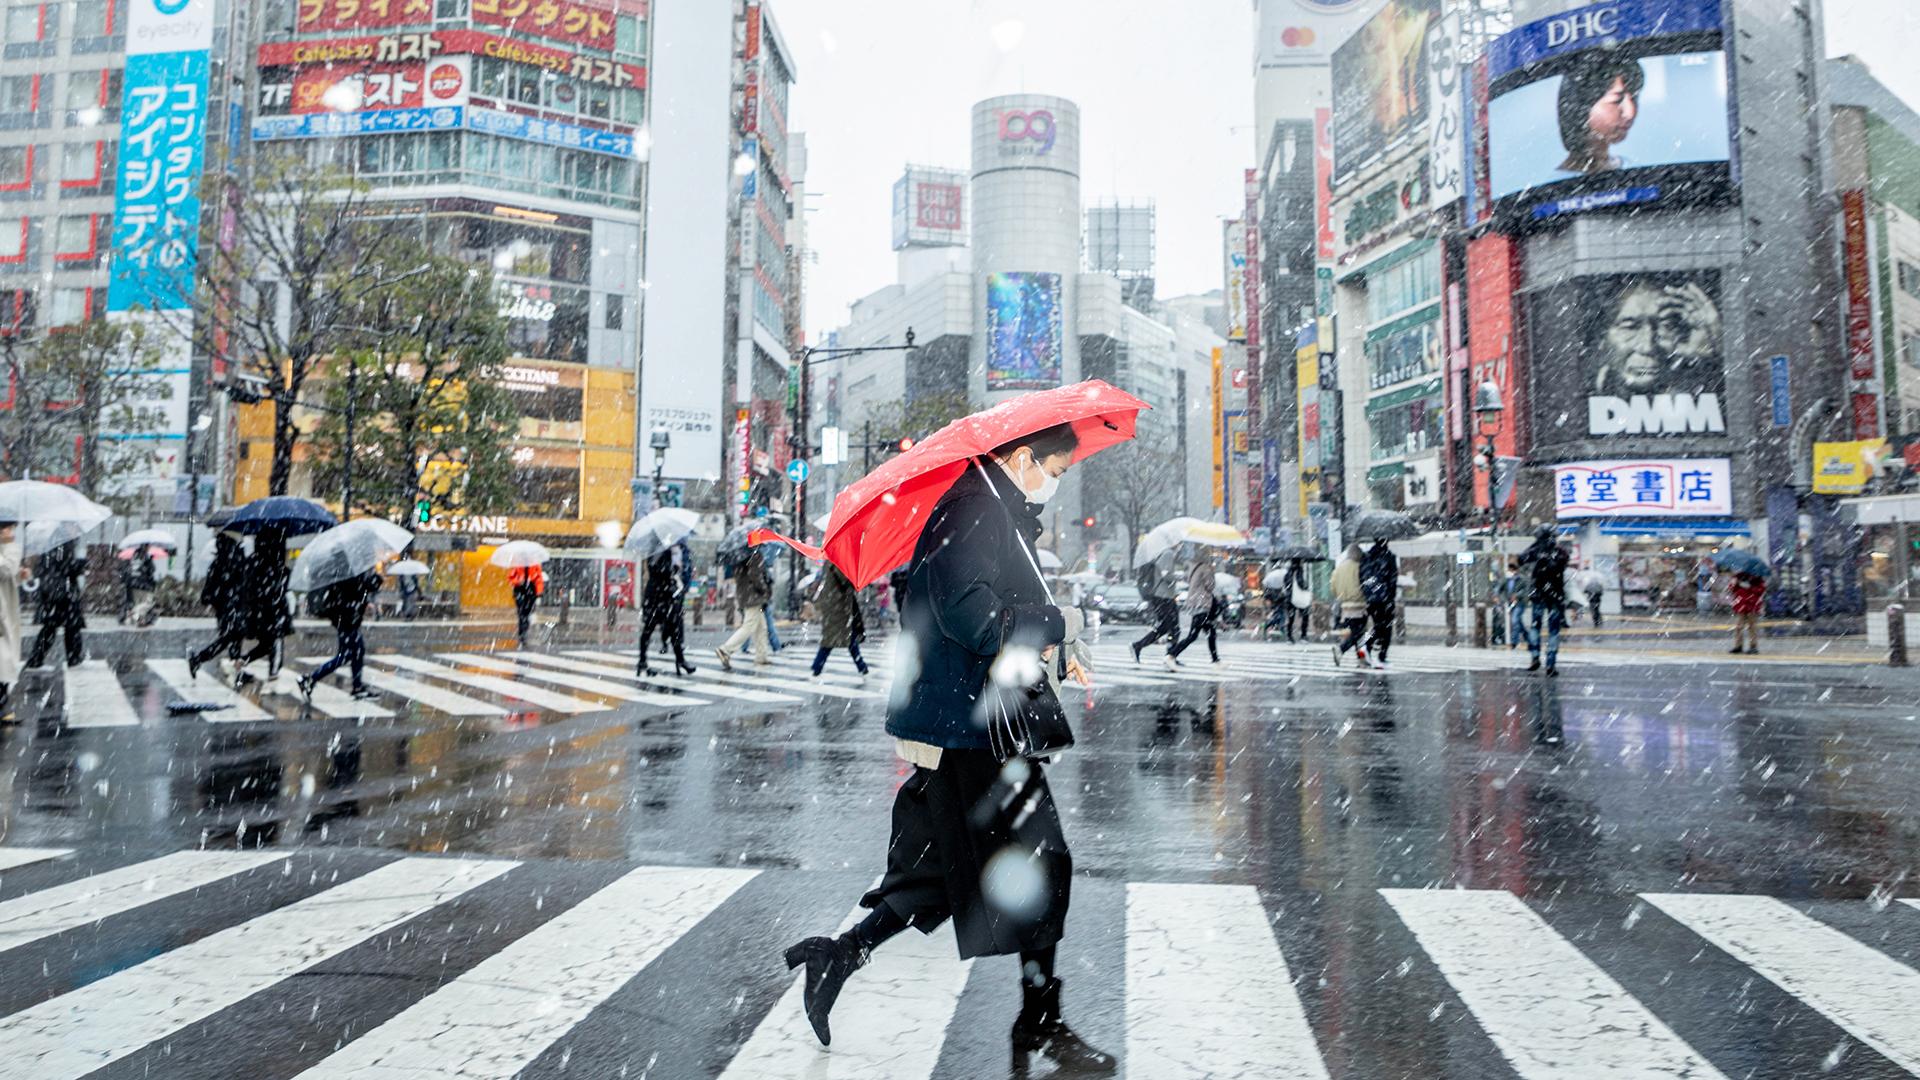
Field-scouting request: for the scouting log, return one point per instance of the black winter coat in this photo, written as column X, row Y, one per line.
column 266, row 590
column 60, row 596
column 226, row 584
column 1549, row 562
column 970, row 591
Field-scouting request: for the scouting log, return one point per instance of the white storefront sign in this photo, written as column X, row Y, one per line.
column 1650, row 487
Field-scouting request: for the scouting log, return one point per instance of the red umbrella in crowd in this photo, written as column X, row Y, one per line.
column 876, row 522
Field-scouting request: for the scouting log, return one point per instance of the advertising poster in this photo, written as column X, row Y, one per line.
column 365, row 87
column 1633, row 354
column 1380, row 83
column 1023, row 331
column 1661, row 487
column 1235, row 295
column 312, row 15
column 1323, row 183
column 561, row 20
column 427, row 45
column 1304, row 33
column 1845, row 468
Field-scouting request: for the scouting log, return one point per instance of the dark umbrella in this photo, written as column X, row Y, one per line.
column 1736, row 561
column 1299, row 551
column 1381, row 525
column 282, row 514
column 733, row 547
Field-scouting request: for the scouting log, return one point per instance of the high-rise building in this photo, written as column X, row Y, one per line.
column 1120, row 243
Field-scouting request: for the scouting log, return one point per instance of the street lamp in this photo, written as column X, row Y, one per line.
column 1488, row 410
column 661, row 441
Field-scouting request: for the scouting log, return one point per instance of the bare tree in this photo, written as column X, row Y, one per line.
column 1137, row 483
column 80, row 397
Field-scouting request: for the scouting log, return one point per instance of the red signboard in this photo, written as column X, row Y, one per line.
column 1482, row 176
column 361, row 14
column 425, row 45
column 1859, row 272
column 938, row 206
column 1323, row 181
column 379, row 86
column 561, row 20
column 1493, row 277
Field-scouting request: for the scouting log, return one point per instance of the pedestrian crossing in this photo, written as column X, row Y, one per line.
column 490, row 686
column 529, row 972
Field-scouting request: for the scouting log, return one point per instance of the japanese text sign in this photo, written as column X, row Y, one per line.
column 1665, row 487
column 162, row 141
column 562, row 20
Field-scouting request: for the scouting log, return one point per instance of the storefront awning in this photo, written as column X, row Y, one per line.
column 1884, row 509
column 1665, row 528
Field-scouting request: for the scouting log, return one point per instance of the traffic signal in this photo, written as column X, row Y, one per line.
column 1089, row 522
column 906, row 443
column 422, row 511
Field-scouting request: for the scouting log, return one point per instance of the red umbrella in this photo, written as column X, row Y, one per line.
column 876, row 522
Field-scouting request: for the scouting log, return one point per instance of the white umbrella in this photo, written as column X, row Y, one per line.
column 1048, row 560
column 35, row 500
column 347, row 550
column 409, row 568
column 658, row 531
column 149, row 538
column 1184, row 530
column 515, row 554
column 40, row 537
column 1225, row 583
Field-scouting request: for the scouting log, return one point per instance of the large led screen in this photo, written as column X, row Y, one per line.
column 1608, row 114
column 1023, row 331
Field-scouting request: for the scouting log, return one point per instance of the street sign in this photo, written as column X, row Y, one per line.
column 1782, row 391
column 797, row 470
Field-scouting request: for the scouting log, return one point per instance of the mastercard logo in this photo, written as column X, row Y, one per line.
column 1297, row 37
column 444, row 81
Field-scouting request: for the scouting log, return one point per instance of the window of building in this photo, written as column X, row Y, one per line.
column 450, row 9
column 16, row 168
column 23, row 23
column 73, row 238
column 616, row 312
column 629, row 106
column 83, row 164
column 1406, row 284
column 17, row 310
column 13, row 240
column 19, row 95
column 70, row 306
column 1406, row 428
column 1405, row 349
column 1909, row 278
column 92, row 18
column 85, row 89
column 546, row 491
column 630, row 35
column 1910, row 349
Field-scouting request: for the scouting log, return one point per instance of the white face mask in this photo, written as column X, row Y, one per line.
column 1049, row 483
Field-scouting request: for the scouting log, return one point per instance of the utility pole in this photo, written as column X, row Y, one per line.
column 346, row 465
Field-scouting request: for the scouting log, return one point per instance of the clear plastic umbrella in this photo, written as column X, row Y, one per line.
column 1048, row 560
column 40, row 537
column 515, row 554
column 658, row 531
column 149, row 538
column 346, row 551
column 36, row 500
column 1184, row 530
column 409, row 568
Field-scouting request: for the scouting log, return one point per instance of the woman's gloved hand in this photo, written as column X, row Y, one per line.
column 1075, row 621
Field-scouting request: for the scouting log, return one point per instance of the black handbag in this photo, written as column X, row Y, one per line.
column 1026, row 721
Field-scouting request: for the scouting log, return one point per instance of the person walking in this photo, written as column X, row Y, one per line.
column 1749, row 597
column 660, row 609
column 837, row 603
column 343, row 604
column 1201, row 611
column 1160, row 587
column 1513, row 596
column 225, row 592
column 975, row 591
column 62, row 604
column 1594, row 587
column 1380, row 585
column 12, row 573
column 753, row 586
column 1350, row 605
column 268, row 621
column 1294, row 587
column 1547, row 561
column 528, row 583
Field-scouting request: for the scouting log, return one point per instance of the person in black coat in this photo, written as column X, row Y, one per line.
column 267, row 619
column 224, row 591
column 343, row 604
column 662, row 607
column 1380, row 584
column 62, row 604
column 973, row 591
column 1547, row 561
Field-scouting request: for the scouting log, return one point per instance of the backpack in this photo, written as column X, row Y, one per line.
column 1377, row 576
column 1148, row 579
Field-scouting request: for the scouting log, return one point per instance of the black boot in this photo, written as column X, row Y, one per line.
column 829, row 962
column 1039, row 1030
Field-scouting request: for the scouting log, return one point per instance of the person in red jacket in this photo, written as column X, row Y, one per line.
column 528, row 583
column 1749, row 592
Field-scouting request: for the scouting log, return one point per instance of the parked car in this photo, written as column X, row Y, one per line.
column 1122, row 603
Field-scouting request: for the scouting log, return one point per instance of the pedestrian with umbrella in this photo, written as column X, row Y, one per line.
column 1749, row 591
column 1350, row 605
column 265, row 615
column 62, row 602
column 1380, row 585
column 753, row 590
column 1547, row 561
column 12, row 573
column 339, row 595
column 979, row 716
column 1199, row 609
column 661, row 609
column 838, row 604
column 522, row 560
column 224, row 591
column 136, row 576
column 407, row 574
column 1291, row 591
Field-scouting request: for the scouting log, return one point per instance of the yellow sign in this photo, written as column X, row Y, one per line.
column 1219, row 440
column 1843, row 468
column 1307, row 383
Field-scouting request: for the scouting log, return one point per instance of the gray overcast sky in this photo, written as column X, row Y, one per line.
column 1165, row 93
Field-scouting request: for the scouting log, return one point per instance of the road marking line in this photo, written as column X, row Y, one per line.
column 104, row 1021
column 21, row 856
column 739, row 677
column 95, row 699
column 678, row 682
column 602, row 687
column 1208, row 992
column 532, row 695
column 1551, row 1012
column 433, row 697
column 88, row 900
column 1868, row 994
column 329, row 699
column 208, row 691
column 505, row 1011
column 890, row 1021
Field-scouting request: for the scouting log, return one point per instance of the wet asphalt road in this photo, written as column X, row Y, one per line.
column 1592, row 812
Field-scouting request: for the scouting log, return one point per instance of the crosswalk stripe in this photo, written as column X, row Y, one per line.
column 603, row 687
column 1866, row 993
column 208, row 691
column 894, row 1015
column 104, row 1021
column 1208, row 992
column 740, row 678
column 77, row 903
column 843, row 676
column 1551, row 1012
column 500, row 1015
column 532, row 695
column 95, row 699
column 22, row 856
column 329, row 699
column 433, row 697
column 677, row 682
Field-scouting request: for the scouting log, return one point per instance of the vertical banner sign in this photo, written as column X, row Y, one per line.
column 1860, row 345
column 1446, row 152
column 1235, row 253
column 1219, row 439
column 156, row 213
column 743, row 449
column 1480, row 206
column 1255, row 485
column 1781, row 370
column 1323, row 184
